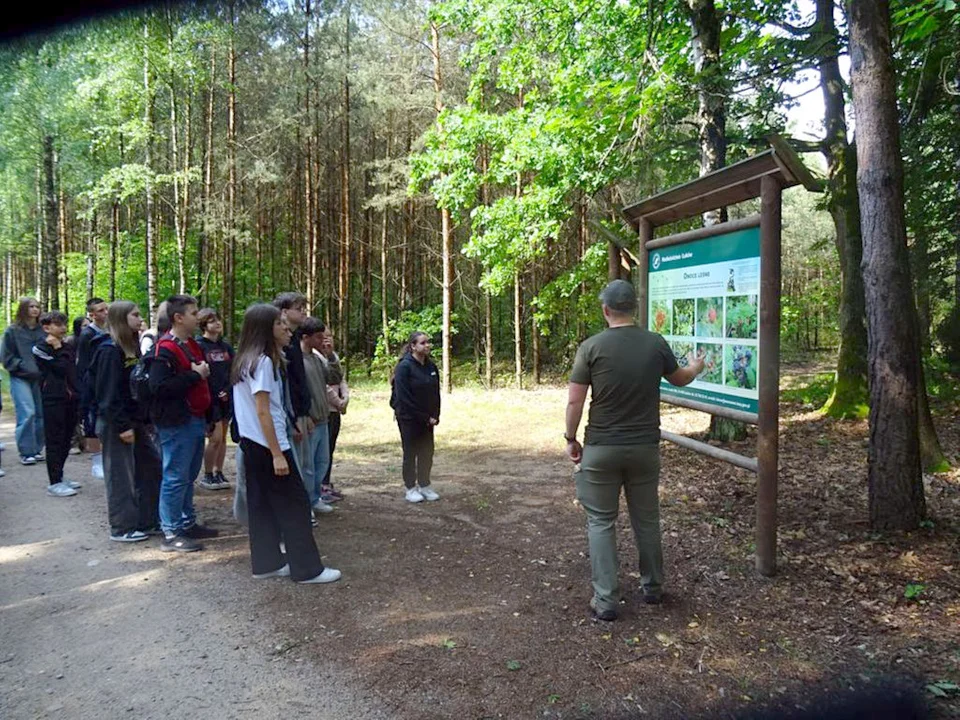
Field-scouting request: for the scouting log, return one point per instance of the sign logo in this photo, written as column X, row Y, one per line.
column 656, row 261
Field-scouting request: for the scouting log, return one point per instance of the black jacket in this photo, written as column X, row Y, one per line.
column 58, row 370
column 416, row 390
column 297, row 377
column 109, row 372
column 85, row 349
column 169, row 385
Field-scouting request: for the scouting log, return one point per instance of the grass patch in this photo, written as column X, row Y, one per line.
column 810, row 390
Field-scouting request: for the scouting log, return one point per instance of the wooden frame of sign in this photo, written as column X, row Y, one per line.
column 763, row 176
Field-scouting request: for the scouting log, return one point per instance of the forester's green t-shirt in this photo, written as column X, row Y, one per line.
column 623, row 367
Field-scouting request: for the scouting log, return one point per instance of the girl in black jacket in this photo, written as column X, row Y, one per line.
column 416, row 402
column 131, row 461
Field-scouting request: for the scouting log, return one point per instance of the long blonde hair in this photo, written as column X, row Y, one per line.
column 123, row 335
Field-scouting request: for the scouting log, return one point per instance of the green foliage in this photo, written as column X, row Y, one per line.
column 428, row 320
column 815, row 392
column 913, row 591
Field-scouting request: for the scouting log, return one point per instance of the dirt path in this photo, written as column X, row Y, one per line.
column 94, row 629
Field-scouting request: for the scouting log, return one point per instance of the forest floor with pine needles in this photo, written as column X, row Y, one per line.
column 476, row 606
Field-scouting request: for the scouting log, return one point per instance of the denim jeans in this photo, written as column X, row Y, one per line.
column 181, row 448
column 28, row 406
column 314, row 452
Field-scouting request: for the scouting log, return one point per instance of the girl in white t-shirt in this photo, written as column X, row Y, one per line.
column 277, row 504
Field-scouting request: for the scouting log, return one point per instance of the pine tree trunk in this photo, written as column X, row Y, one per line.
column 91, row 280
column 50, row 294
column 446, row 228
column 203, row 239
column 308, row 195
column 517, row 330
column 149, row 240
column 175, row 152
column 488, row 337
column 346, row 227
column 114, row 246
column 893, row 457
column 230, row 238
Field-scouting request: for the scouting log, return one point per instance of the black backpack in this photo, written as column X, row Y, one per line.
column 140, row 382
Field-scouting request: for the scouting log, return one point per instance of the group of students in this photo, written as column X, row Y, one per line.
column 150, row 399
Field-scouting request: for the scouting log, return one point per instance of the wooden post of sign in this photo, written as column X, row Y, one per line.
column 643, row 263
column 768, row 425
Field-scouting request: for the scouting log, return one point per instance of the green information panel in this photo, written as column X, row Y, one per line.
column 705, row 299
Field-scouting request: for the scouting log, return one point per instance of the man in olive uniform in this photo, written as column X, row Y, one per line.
column 623, row 365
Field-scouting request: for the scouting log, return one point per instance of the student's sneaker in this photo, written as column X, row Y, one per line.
column 313, row 520
column 40, row 457
column 73, row 484
column 414, row 496
column 209, row 482
column 328, row 575
column 3, row 472
column 429, row 494
column 73, row 451
column 28, row 460
column 130, row 537
column 60, row 490
column 200, row 532
column 328, row 498
column 96, row 466
column 179, row 543
column 331, row 490
column 280, row 572
column 222, row 483
column 321, row 507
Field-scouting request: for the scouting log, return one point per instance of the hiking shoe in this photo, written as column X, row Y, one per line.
column 209, row 482
column 60, row 490
column 608, row 615
column 279, row 572
column 180, row 543
column 200, row 532
column 28, row 460
column 429, row 494
column 321, row 507
column 329, row 575
column 413, row 495
column 72, row 484
column 132, row 536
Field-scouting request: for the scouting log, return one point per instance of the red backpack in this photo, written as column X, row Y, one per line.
column 198, row 397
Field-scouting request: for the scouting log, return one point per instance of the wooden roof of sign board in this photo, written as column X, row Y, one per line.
column 727, row 186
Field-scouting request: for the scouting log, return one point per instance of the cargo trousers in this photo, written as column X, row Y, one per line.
column 604, row 470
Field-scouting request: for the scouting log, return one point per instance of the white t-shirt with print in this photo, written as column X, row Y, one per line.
column 261, row 379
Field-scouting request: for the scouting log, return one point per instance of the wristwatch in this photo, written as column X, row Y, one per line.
column 569, row 439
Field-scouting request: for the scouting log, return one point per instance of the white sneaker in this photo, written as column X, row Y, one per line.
column 281, row 572
column 96, row 466
column 60, row 490
column 73, row 484
column 3, row 473
column 414, row 496
column 429, row 494
column 328, row 575
column 322, row 507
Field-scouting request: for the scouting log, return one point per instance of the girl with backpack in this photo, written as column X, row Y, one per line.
column 278, row 507
column 131, row 460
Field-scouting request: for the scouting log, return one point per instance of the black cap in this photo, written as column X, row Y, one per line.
column 620, row 297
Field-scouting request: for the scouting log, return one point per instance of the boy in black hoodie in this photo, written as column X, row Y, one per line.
column 58, row 388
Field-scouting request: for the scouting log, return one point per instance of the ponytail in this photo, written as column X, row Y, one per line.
column 405, row 350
